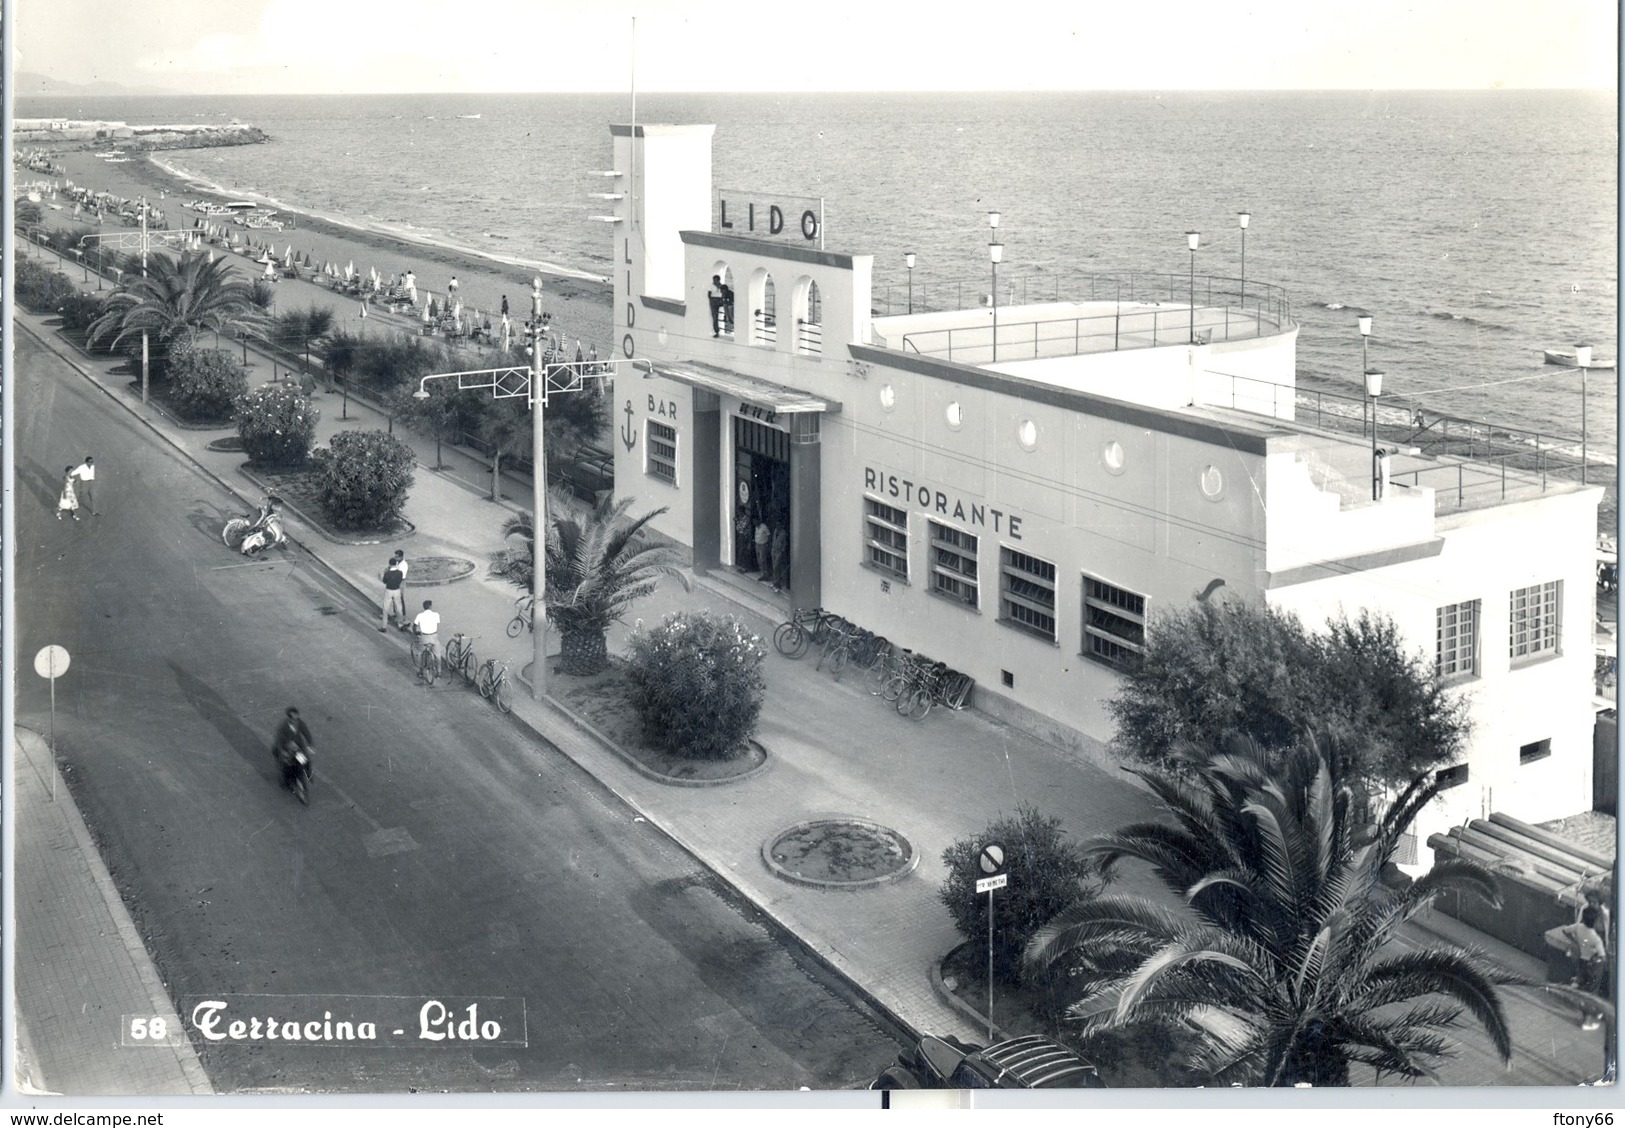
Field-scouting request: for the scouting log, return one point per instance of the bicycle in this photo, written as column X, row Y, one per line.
column 492, row 682
column 927, row 688
column 792, row 636
column 460, row 656
column 425, row 659
column 524, row 616
column 838, row 639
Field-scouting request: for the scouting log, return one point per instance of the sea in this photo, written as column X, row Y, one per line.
column 1477, row 229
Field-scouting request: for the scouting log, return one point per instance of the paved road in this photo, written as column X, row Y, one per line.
column 442, row 857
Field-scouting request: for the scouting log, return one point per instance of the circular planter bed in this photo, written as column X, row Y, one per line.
column 604, row 702
column 841, row 853
column 300, row 487
column 426, row 571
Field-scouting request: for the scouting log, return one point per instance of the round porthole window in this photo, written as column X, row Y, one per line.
column 1027, row 434
column 1212, row 483
column 888, row 396
column 955, row 415
column 1112, row 456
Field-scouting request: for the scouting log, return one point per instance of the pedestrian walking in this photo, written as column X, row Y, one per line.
column 504, row 305
column 451, row 287
column 85, row 475
column 394, row 590
column 69, row 501
column 1591, row 960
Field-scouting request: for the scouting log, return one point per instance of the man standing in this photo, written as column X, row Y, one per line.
column 85, row 475
column 714, row 297
column 394, row 594
column 504, row 305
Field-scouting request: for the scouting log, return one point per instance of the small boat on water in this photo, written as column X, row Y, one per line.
column 469, row 117
column 1567, row 358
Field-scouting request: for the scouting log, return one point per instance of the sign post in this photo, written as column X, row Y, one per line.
column 51, row 663
column 996, row 875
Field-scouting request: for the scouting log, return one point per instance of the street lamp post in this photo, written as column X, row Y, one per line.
column 1373, row 389
column 538, row 502
column 908, row 261
column 1244, row 218
column 995, row 253
column 535, row 382
column 1194, row 238
column 1364, row 321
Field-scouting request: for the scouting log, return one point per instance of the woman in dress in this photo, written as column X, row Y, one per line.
column 69, row 501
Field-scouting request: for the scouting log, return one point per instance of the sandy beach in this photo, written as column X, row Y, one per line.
column 579, row 303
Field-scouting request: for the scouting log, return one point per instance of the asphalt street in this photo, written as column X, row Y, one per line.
column 444, row 856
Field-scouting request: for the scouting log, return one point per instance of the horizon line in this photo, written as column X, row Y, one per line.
column 157, row 93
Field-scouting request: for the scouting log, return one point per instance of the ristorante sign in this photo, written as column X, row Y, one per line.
column 763, row 215
column 926, row 497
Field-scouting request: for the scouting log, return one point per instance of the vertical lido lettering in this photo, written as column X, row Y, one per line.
column 726, row 225
column 775, row 219
column 631, row 316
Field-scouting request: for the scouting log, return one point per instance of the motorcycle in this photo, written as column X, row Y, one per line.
column 250, row 535
column 296, row 772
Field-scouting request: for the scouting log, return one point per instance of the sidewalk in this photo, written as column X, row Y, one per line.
column 833, row 748
column 82, row 970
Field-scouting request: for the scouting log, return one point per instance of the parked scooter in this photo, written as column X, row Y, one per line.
column 250, row 535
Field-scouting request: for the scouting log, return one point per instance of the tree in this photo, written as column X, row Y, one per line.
column 1280, row 959
column 505, row 426
column 301, row 328
column 177, row 298
column 1216, row 669
column 364, row 479
column 1047, row 873
column 696, row 682
column 599, row 562
column 205, row 383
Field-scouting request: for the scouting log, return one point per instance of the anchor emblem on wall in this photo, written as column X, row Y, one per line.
column 628, row 435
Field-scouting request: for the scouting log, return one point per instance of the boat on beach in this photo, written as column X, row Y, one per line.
column 1567, row 358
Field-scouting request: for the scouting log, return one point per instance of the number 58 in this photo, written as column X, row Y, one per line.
column 154, row 1028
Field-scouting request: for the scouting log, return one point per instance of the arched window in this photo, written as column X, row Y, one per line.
column 719, row 296
column 810, row 322
column 766, row 316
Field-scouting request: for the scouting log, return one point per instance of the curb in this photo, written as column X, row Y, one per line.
column 975, row 1017
column 322, row 529
column 187, row 1060
column 644, row 770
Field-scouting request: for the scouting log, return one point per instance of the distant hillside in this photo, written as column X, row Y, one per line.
column 44, row 86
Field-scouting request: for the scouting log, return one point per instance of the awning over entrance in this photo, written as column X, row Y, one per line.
column 762, row 393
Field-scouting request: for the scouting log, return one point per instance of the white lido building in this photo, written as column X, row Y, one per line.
column 1018, row 501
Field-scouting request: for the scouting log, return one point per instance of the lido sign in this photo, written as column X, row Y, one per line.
column 798, row 218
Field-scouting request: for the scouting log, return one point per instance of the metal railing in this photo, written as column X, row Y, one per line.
column 1141, row 321
column 1477, row 460
column 1269, row 301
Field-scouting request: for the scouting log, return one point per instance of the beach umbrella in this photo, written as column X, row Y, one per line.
column 457, row 310
column 349, row 270
column 426, row 314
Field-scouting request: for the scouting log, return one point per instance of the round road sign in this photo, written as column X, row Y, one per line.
column 991, row 859
column 51, row 662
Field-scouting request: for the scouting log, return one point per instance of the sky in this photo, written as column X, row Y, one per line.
column 485, row 46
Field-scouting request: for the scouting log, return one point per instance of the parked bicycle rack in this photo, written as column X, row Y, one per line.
column 912, row 682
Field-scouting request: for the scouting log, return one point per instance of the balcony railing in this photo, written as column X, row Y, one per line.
column 1141, row 321
column 1476, row 461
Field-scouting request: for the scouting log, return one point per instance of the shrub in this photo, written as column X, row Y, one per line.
column 277, row 425
column 79, row 310
column 39, row 287
column 697, row 684
column 1047, row 873
column 205, row 383
column 364, row 479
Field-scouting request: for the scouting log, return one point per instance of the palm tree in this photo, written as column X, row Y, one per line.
column 1280, row 963
column 176, row 298
column 599, row 563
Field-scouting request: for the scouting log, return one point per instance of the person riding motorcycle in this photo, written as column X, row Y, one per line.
column 292, row 735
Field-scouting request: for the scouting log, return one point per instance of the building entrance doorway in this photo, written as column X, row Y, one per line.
column 761, row 502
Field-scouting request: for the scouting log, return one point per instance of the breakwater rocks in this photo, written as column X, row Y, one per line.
column 154, row 138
